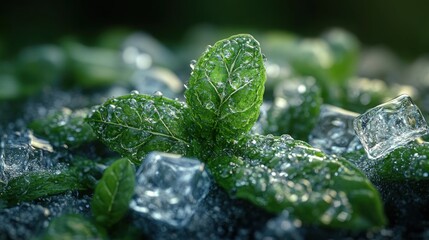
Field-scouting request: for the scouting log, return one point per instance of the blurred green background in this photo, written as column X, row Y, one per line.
column 399, row 25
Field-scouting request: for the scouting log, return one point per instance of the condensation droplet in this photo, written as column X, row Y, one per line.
column 134, row 92
column 192, row 64
column 158, row 94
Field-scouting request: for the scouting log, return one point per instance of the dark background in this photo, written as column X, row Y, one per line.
column 402, row 26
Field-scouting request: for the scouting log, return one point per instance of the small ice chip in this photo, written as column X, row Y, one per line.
column 169, row 188
column 334, row 133
column 392, row 124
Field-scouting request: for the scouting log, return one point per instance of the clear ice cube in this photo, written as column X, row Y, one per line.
column 392, row 124
column 169, row 188
column 334, row 133
column 21, row 152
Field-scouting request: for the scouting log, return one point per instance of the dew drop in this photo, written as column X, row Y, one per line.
column 210, row 105
column 158, row 94
column 134, row 92
column 192, row 64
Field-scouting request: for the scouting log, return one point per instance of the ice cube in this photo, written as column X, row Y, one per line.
column 21, row 152
column 392, row 124
column 169, row 188
column 334, row 132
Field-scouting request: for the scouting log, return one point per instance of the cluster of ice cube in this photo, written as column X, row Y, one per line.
column 380, row 130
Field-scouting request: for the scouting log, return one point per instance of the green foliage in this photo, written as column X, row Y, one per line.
column 33, row 70
column 223, row 99
column 279, row 173
column 331, row 59
column 93, row 67
column 295, row 109
column 64, row 127
column 345, row 52
column 226, row 87
column 10, row 86
column 87, row 171
column 113, row 193
column 73, row 227
column 135, row 125
column 33, row 185
column 39, row 66
column 406, row 163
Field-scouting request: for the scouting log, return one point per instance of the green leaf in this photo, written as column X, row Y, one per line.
column 33, row 185
column 278, row 173
column 39, row 66
column 135, row 125
column 113, row 193
column 87, row 171
column 10, row 86
column 73, row 227
column 226, row 87
column 345, row 49
column 295, row 109
column 64, row 127
column 34, row 69
column 93, row 67
column 406, row 163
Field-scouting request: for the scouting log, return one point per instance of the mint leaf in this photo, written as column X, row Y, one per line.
column 114, row 192
column 345, row 49
column 64, row 127
column 39, row 66
column 278, row 173
column 226, row 87
column 92, row 67
column 135, row 125
column 295, row 109
column 72, row 226
column 406, row 163
column 88, row 171
column 31, row 186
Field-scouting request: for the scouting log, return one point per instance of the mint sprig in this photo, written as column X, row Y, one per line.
column 223, row 98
